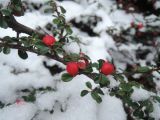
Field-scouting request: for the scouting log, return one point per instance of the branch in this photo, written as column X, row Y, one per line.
column 27, row 49
column 19, row 28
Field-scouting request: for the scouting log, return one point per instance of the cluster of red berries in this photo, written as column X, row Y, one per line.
column 73, row 68
column 138, row 26
column 49, row 40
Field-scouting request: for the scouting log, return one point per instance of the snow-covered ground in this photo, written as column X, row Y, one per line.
column 64, row 100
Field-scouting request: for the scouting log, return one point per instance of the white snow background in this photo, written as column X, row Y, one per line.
column 66, row 95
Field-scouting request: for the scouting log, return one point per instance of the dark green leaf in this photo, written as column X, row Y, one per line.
column 100, row 63
column 84, row 92
column 104, row 80
column 138, row 113
column 16, row 1
column 151, row 118
column 66, row 77
column 8, row 39
column 96, row 79
column 89, row 85
column 1, row 104
column 62, row 10
column 157, row 98
column 6, row 50
column 6, row 12
column 3, row 23
column 17, row 8
column 43, row 49
column 1, row 49
column 125, row 87
column 96, row 97
column 31, row 97
column 144, row 69
column 22, row 54
column 119, row 77
column 88, row 69
column 69, row 30
column 48, row 10
column 56, row 21
column 98, row 90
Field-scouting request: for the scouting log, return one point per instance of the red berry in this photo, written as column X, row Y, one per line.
column 49, row 40
column 140, row 25
column 19, row 101
column 72, row 68
column 82, row 64
column 107, row 68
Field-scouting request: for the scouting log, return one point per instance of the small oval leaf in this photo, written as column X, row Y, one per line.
column 66, row 77
column 22, row 54
column 84, row 92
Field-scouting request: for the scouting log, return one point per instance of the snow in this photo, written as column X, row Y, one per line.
column 139, row 94
column 156, row 112
column 157, row 4
column 73, row 11
column 33, row 19
column 72, row 47
column 106, row 112
column 65, row 100
column 18, row 112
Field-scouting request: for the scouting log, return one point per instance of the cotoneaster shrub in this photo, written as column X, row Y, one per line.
column 52, row 46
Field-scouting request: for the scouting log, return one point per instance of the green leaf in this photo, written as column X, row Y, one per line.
column 98, row 90
column 151, row 118
column 96, row 97
column 62, row 10
column 100, row 61
column 31, row 97
column 16, row 1
column 1, row 49
column 88, row 69
column 157, row 98
column 89, row 85
column 22, row 54
column 17, row 8
column 69, row 30
column 104, row 80
column 138, row 113
column 126, row 87
column 71, row 57
column 143, row 69
column 8, row 39
column 66, row 77
column 6, row 50
column 3, row 23
column 119, row 77
column 96, row 79
column 148, row 104
column 1, row 104
column 84, row 92
column 48, row 10
column 43, row 49
column 6, row 12
column 56, row 21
